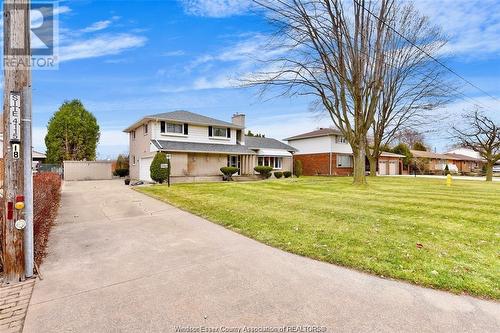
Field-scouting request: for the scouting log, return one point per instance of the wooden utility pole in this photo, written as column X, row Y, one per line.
column 17, row 57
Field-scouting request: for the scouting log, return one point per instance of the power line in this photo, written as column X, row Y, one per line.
column 426, row 53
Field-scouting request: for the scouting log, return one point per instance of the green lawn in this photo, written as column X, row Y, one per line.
column 374, row 228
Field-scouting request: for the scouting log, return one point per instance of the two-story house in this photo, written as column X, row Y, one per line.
column 327, row 152
column 199, row 146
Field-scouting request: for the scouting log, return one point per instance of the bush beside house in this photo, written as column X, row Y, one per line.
column 159, row 174
column 264, row 171
column 228, row 172
column 287, row 174
column 278, row 174
column 297, row 168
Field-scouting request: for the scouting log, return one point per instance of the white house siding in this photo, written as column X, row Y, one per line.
column 196, row 133
column 322, row 144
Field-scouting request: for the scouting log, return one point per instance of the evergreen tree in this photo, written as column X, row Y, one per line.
column 157, row 173
column 72, row 134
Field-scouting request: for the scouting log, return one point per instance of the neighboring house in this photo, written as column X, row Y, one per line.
column 199, row 146
column 327, row 152
column 38, row 158
column 437, row 162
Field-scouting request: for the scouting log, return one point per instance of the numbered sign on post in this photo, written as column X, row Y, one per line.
column 15, row 117
column 16, row 151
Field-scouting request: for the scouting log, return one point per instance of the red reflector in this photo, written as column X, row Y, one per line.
column 19, row 198
column 10, row 210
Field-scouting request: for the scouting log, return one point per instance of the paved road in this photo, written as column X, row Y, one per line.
column 122, row 262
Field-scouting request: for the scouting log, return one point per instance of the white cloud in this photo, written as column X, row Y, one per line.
column 216, row 8
column 97, row 26
column 175, row 53
column 473, row 26
column 102, row 45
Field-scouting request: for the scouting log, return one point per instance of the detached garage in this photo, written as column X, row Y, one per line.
column 87, row 170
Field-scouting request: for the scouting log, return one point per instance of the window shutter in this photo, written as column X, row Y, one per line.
column 209, row 130
column 186, row 129
column 228, row 132
column 162, row 127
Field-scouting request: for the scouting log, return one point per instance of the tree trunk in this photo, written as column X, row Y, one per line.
column 359, row 165
column 489, row 171
column 373, row 165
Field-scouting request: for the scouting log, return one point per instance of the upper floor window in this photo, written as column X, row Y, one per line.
column 132, row 134
column 220, row 132
column 173, row 128
column 145, row 128
column 341, row 139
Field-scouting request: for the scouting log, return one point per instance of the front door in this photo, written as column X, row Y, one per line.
column 234, row 161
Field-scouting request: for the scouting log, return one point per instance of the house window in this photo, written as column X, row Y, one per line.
column 344, row 161
column 171, row 128
column 274, row 162
column 145, row 128
column 133, row 160
column 220, row 132
column 341, row 139
column 132, row 134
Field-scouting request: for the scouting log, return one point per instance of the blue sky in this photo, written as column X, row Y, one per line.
column 127, row 59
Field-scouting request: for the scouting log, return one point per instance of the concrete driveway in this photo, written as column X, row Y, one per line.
column 122, row 262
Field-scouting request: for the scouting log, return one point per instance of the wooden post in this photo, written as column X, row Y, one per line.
column 16, row 82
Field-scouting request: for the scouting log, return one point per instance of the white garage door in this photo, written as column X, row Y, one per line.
column 144, row 173
column 382, row 168
column 393, row 168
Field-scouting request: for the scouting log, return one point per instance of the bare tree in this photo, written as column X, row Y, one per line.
column 482, row 135
column 335, row 51
column 414, row 84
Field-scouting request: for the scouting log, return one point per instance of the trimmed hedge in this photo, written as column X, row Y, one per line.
column 159, row 174
column 278, row 174
column 264, row 171
column 228, row 172
column 297, row 168
column 46, row 196
column 287, row 174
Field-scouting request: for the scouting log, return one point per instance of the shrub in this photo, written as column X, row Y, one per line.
column 46, row 195
column 287, row 174
column 278, row 174
column 121, row 172
column 297, row 168
column 264, row 171
column 228, row 172
column 157, row 173
column 447, row 170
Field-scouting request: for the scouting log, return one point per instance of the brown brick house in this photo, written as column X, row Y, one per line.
column 326, row 152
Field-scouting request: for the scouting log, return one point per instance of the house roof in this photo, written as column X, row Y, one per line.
column 317, row 133
column 37, row 154
column 177, row 146
column 387, row 154
column 429, row 154
column 259, row 142
column 184, row 117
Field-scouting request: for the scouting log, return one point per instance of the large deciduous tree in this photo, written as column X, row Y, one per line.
column 72, row 134
column 413, row 83
column 481, row 134
column 337, row 52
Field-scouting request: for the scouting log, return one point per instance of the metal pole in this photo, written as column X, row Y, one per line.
column 29, row 255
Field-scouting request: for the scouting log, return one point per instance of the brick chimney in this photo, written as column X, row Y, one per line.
column 239, row 119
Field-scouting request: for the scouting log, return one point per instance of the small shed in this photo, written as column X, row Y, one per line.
column 88, row 170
